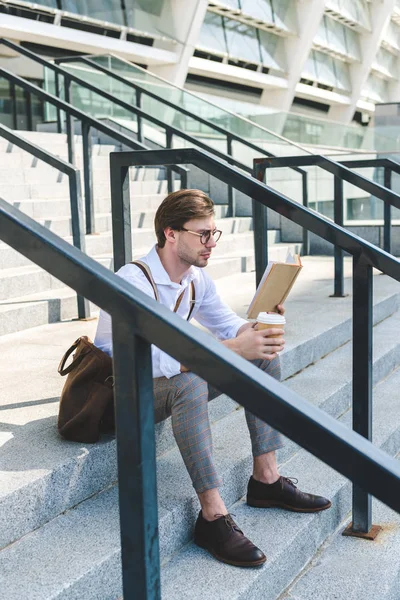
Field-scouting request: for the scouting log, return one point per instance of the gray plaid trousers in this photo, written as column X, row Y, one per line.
column 185, row 398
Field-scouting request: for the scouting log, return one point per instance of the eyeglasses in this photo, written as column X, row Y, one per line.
column 205, row 235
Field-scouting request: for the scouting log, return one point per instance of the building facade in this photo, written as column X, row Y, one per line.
column 333, row 59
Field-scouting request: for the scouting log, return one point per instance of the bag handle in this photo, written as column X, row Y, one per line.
column 64, row 359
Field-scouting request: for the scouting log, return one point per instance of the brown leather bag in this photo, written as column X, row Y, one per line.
column 86, row 407
column 87, row 400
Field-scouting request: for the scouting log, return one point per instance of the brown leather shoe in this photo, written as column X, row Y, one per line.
column 284, row 494
column 226, row 542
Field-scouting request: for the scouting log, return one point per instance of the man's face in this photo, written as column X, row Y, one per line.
column 189, row 248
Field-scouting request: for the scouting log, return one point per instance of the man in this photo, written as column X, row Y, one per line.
column 186, row 236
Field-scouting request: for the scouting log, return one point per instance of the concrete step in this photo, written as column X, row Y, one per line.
column 289, row 540
column 18, row 281
column 69, row 473
column 352, row 568
column 59, row 304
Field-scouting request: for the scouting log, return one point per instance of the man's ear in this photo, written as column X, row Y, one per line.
column 170, row 235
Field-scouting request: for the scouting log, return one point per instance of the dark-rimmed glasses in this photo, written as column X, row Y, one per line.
column 205, row 235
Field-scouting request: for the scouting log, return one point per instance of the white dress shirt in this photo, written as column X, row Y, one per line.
column 209, row 310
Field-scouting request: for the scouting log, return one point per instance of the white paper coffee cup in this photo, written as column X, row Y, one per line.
column 270, row 321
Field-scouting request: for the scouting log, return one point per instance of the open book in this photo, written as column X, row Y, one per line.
column 275, row 285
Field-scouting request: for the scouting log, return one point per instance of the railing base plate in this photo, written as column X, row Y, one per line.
column 338, row 295
column 370, row 535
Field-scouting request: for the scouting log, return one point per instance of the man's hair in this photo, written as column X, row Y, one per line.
column 178, row 208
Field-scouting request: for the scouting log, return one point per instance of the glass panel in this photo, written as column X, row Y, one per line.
column 336, row 35
column 260, row 9
column 353, row 44
column 375, row 89
column 325, row 69
column 342, row 74
column 5, row 104
column 310, row 67
column 285, row 14
column 356, row 10
column 172, row 115
column 392, row 35
column 154, row 16
column 104, row 10
column 212, row 36
column 386, row 63
column 321, row 37
column 272, row 50
column 242, row 41
column 49, row 3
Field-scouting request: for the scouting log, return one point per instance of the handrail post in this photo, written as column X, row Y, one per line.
column 139, row 117
column 260, row 226
column 78, row 237
column 58, row 111
column 121, row 213
column 338, row 252
column 29, row 111
column 13, row 96
column 387, row 213
column 134, row 410
column 88, row 177
column 70, row 122
column 231, row 191
column 362, row 386
column 169, row 140
column 306, row 237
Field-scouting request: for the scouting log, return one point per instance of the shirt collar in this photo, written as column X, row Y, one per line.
column 160, row 275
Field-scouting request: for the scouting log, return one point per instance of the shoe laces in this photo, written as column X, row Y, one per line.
column 292, row 480
column 229, row 522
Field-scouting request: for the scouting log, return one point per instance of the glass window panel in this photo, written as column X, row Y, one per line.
column 260, row 9
column 336, row 35
column 285, row 14
column 233, row 3
column 325, row 69
column 242, row 41
column 392, row 35
column 353, row 43
column 386, row 62
column 272, row 50
column 104, row 10
column 342, row 73
column 356, row 10
column 321, row 36
column 154, row 16
column 310, row 67
column 375, row 89
column 49, row 3
column 212, row 35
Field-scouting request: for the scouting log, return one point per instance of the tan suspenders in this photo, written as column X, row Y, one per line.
column 147, row 273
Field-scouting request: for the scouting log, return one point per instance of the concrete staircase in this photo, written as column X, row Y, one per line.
column 59, row 530
column 29, row 296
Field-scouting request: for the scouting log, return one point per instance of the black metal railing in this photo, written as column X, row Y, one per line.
column 341, row 173
column 365, row 257
column 139, row 321
column 171, row 132
column 389, row 166
column 75, row 196
column 88, row 123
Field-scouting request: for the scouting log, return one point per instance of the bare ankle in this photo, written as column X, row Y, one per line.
column 265, row 468
column 212, row 505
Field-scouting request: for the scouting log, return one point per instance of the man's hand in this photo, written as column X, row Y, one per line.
column 253, row 344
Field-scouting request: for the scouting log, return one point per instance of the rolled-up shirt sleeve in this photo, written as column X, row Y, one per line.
column 163, row 364
column 215, row 314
